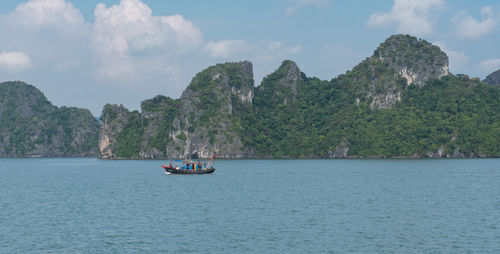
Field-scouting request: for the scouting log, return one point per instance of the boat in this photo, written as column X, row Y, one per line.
column 187, row 167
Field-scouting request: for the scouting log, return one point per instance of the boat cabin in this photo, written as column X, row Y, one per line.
column 189, row 165
column 193, row 165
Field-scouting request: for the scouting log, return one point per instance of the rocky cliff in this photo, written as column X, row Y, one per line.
column 281, row 86
column 206, row 119
column 400, row 102
column 210, row 110
column 399, row 57
column 276, row 100
column 114, row 120
column 414, row 59
column 493, row 79
column 30, row 126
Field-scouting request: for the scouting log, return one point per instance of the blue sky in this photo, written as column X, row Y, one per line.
column 92, row 52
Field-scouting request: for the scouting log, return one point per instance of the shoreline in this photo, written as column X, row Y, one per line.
column 262, row 158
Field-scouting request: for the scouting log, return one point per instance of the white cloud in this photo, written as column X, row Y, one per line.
column 127, row 35
column 457, row 59
column 226, row 48
column 14, row 61
column 125, row 47
column 490, row 65
column 187, row 33
column 470, row 28
column 410, row 16
column 49, row 31
column 261, row 51
column 46, row 14
column 303, row 3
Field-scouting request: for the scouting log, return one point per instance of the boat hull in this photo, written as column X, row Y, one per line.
column 173, row 170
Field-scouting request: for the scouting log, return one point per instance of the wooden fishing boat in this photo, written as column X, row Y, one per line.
column 186, row 167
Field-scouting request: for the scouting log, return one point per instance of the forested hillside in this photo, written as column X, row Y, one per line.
column 400, row 102
column 30, row 126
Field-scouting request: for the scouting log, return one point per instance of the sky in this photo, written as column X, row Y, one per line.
column 86, row 53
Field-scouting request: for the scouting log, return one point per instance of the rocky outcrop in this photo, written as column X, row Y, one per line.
column 130, row 134
column 493, row 79
column 399, row 57
column 114, row 119
column 282, row 85
column 455, row 154
column 30, row 126
column 399, row 103
column 414, row 59
column 210, row 108
column 157, row 115
column 438, row 154
column 341, row 151
column 206, row 119
column 290, row 79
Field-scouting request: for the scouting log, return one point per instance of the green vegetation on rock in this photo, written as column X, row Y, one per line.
column 400, row 102
column 161, row 110
column 459, row 115
column 30, row 126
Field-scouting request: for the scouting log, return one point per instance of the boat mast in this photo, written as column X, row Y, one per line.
column 210, row 163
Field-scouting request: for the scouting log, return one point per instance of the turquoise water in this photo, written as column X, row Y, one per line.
column 250, row 206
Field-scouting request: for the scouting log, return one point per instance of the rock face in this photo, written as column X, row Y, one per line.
column 276, row 99
column 206, row 119
column 157, row 117
column 400, row 56
column 144, row 135
column 282, row 85
column 415, row 60
column 209, row 113
column 30, row 126
column 341, row 151
column 493, row 79
column 114, row 119
column 399, row 103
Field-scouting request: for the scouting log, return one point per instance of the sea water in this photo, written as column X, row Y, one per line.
column 250, row 206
